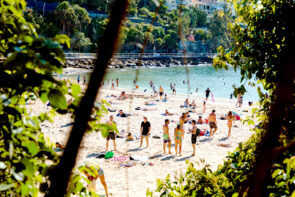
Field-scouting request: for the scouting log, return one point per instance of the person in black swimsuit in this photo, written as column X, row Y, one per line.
column 207, row 93
column 195, row 134
column 145, row 129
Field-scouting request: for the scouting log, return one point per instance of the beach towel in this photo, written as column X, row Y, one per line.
column 202, row 132
column 109, row 155
column 207, row 133
column 138, row 158
column 151, row 104
column 119, row 158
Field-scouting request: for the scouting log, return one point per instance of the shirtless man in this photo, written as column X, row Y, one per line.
column 212, row 123
column 182, row 119
column 161, row 91
column 166, row 136
column 111, row 135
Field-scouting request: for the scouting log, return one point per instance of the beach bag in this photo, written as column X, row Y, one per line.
column 238, row 117
column 109, row 155
column 198, row 132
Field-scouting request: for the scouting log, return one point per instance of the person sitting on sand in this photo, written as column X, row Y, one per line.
column 187, row 117
column 166, row 136
column 123, row 95
column 92, row 173
column 212, row 123
column 167, row 113
column 112, row 134
column 178, row 136
column 130, row 137
column 161, row 92
column 186, row 103
column 165, row 98
column 230, row 118
column 194, row 136
column 145, row 129
column 193, row 104
column 58, row 147
column 122, row 114
column 200, row 120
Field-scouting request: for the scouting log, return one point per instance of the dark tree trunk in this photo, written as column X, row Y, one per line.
column 60, row 177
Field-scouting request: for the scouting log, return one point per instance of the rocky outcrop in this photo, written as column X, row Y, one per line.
column 88, row 63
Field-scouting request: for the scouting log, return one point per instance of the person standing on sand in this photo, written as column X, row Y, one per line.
column 230, row 118
column 113, row 85
column 145, row 129
column 207, row 92
column 84, row 79
column 182, row 120
column 204, row 106
column 78, row 78
column 117, row 82
column 111, row 135
column 178, row 136
column 161, row 91
column 194, row 136
column 166, row 136
column 212, row 123
column 231, row 96
column 174, row 90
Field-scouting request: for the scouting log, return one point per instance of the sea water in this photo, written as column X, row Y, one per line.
column 200, row 76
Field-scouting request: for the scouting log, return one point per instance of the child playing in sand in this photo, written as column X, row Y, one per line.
column 166, row 136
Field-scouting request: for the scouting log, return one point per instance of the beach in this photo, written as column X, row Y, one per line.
column 153, row 163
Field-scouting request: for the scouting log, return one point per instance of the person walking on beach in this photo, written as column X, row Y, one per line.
column 111, row 135
column 178, row 137
column 93, row 173
column 207, row 92
column 151, row 83
column 78, row 78
column 161, row 91
column 113, row 85
column 197, row 90
column 230, row 118
column 117, row 82
column 145, row 129
column 166, row 136
column 212, row 123
column 194, row 136
column 173, row 90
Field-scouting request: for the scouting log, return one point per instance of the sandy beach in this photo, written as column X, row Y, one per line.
column 134, row 181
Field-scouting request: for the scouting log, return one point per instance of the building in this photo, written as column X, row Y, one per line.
column 209, row 6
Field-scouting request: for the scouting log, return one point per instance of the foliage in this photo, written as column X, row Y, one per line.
column 79, row 40
column 26, row 75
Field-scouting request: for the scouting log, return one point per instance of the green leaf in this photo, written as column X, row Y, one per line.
column 57, row 99
column 5, row 186
column 76, row 90
column 61, row 38
column 29, row 171
column 32, row 147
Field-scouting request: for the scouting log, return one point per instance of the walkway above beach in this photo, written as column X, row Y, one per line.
column 142, row 55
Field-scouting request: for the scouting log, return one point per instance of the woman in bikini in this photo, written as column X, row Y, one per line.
column 178, row 136
column 230, row 118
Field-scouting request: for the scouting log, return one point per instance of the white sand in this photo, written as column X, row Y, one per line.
column 134, row 181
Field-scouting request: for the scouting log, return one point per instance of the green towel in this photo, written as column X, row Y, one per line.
column 109, row 155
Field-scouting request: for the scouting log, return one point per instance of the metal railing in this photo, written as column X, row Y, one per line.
column 137, row 55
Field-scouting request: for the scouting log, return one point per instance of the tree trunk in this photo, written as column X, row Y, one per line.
column 282, row 99
column 60, row 177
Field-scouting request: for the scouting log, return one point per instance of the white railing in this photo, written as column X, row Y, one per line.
column 137, row 55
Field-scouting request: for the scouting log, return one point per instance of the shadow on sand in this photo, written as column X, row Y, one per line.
column 205, row 140
column 183, row 158
column 156, row 156
column 135, row 149
column 223, row 139
column 168, row 158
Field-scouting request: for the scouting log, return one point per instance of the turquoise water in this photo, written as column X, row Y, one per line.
column 201, row 76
